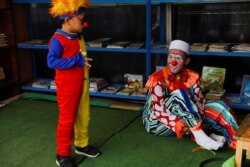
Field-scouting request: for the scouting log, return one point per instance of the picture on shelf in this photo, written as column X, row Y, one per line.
column 213, row 78
column 245, row 90
column 134, row 81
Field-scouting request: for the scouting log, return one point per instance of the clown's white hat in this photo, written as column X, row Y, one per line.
column 180, row 45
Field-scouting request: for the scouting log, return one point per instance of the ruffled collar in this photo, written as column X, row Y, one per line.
column 164, row 74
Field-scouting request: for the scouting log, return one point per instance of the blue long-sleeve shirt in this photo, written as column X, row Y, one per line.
column 64, row 51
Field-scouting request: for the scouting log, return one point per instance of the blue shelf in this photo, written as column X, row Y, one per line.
column 206, row 53
column 232, row 99
column 29, row 46
column 234, row 102
column 94, row 2
column 153, row 51
column 109, row 95
column 106, row 95
column 196, row 1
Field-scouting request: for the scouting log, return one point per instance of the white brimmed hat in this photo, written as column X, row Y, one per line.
column 180, row 45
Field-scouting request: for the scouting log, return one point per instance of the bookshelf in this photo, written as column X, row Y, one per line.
column 165, row 35
column 168, row 26
column 30, row 49
column 8, row 60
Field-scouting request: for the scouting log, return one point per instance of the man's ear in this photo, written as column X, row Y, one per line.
column 187, row 60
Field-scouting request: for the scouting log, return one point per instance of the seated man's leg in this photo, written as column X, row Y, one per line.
column 180, row 105
column 151, row 122
column 219, row 116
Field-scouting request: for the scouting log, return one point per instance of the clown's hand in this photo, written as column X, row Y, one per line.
column 87, row 62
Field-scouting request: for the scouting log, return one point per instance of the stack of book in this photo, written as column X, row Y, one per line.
column 218, row 47
column 111, row 89
column 3, row 40
column 140, row 92
column 159, row 46
column 52, row 84
column 118, row 44
column 126, row 91
column 98, row 43
column 198, row 47
column 135, row 45
column 97, row 84
column 215, row 95
column 41, row 83
column 243, row 47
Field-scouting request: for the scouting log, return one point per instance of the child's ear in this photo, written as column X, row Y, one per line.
column 187, row 60
column 66, row 20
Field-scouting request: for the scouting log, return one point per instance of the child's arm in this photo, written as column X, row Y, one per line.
column 55, row 61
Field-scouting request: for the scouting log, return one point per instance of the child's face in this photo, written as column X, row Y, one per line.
column 76, row 23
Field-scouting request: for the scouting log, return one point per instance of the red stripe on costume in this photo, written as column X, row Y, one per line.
column 218, row 117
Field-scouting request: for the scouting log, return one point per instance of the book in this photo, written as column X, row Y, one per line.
column 159, row 67
column 118, row 44
column 215, row 95
column 134, row 81
column 52, row 84
column 97, row 84
column 36, row 42
column 135, row 45
column 242, row 47
column 111, row 89
column 2, row 75
column 41, row 83
column 159, row 46
column 98, row 43
column 140, row 92
column 245, row 90
column 198, row 47
column 125, row 91
column 218, row 47
column 213, row 78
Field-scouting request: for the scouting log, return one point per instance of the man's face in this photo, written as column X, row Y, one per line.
column 176, row 60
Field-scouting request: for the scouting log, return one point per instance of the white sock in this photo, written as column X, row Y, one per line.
column 218, row 138
column 206, row 142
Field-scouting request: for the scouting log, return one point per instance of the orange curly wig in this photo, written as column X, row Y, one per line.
column 62, row 7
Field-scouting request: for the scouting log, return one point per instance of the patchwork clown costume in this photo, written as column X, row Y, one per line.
column 175, row 104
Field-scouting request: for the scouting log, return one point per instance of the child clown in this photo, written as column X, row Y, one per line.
column 67, row 55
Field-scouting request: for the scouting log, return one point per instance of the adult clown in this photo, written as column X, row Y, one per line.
column 175, row 104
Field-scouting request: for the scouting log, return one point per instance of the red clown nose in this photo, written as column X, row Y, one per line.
column 85, row 24
column 174, row 63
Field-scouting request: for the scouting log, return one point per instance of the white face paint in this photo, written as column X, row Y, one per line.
column 176, row 61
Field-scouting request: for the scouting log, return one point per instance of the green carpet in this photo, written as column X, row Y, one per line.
column 28, row 131
column 135, row 147
column 27, row 139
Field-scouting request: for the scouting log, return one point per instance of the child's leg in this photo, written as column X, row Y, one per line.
column 65, row 127
column 81, row 138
